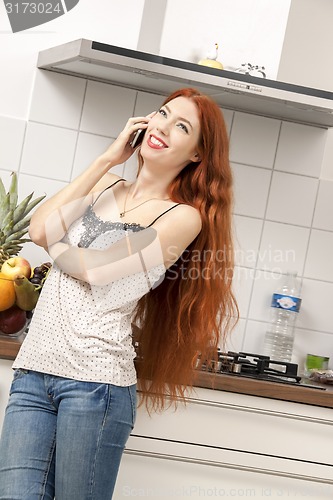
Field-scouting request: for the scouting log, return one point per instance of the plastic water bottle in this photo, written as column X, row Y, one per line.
column 285, row 305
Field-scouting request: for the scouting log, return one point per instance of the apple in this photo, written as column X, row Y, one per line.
column 12, row 320
column 16, row 266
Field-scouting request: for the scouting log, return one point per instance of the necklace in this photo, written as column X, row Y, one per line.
column 130, row 209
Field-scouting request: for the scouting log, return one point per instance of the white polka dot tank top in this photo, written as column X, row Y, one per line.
column 81, row 331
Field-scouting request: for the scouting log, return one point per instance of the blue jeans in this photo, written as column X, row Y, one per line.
column 63, row 438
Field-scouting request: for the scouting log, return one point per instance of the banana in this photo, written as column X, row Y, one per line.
column 26, row 293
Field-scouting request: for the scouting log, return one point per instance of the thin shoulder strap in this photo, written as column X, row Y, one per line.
column 108, row 187
column 163, row 214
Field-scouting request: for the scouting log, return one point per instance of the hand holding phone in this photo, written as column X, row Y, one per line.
column 138, row 138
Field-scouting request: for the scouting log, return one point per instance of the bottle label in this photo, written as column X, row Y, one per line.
column 286, row 302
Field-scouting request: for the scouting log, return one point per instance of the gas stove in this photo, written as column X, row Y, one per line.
column 245, row 364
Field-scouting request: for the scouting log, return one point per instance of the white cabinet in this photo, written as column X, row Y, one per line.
column 230, row 445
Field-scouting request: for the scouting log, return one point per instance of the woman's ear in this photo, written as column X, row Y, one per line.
column 196, row 157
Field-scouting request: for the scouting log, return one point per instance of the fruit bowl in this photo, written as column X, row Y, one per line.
column 19, row 294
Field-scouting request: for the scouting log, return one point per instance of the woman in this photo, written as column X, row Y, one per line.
column 157, row 251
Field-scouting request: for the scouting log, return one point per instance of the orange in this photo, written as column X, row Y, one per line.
column 7, row 293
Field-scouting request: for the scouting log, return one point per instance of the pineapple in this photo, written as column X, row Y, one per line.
column 14, row 219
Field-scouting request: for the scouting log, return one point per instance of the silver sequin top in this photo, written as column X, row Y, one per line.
column 95, row 226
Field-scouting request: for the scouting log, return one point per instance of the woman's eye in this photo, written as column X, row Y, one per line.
column 162, row 112
column 183, row 127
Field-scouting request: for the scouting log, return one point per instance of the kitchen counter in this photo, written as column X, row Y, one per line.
column 322, row 395
column 9, row 347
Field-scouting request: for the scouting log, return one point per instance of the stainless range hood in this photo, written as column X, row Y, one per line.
column 161, row 75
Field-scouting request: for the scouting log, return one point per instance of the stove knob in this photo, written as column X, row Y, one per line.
column 236, row 367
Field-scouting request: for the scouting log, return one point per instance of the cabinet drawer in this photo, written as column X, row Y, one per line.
column 249, row 429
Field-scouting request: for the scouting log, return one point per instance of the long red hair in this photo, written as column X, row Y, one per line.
column 192, row 311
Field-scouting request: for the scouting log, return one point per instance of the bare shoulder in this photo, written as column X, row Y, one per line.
column 105, row 181
column 176, row 230
column 183, row 219
column 188, row 214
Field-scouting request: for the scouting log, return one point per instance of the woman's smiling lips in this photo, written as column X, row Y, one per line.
column 156, row 143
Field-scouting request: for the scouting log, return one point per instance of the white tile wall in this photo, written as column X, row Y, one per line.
column 88, row 147
column 147, row 103
column 292, row 199
column 251, row 190
column 323, row 218
column 234, row 342
column 242, row 286
column 247, row 240
column 317, row 310
column 12, row 132
column 254, row 140
column 57, row 99
column 254, row 336
column 49, row 151
column 283, row 247
column 300, row 149
column 279, row 210
column 319, row 262
column 39, row 185
column 106, row 109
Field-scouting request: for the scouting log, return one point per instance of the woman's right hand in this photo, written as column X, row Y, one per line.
column 121, row 150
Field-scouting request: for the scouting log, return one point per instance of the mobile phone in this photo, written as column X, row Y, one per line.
column 138, row 138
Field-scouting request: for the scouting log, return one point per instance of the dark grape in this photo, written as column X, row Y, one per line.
column 39, row 270
column 38, row 275
column 35, row 281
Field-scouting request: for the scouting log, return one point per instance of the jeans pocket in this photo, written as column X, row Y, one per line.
column 18, row 373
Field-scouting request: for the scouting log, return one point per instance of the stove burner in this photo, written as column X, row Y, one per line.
column 254, row 366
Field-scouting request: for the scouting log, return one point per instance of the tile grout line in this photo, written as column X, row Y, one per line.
column 310, row 233
column 78, row 130
column 261, row 235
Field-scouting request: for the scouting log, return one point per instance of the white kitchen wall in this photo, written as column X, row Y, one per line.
column 52, row 126
column 307, row 45
column 246, row 31
column 116, row 22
